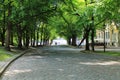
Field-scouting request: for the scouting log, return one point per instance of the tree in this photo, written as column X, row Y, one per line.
column 65, row 22
column 22, row 16
column 2, row 22
column 9, row 26
column 29, row 19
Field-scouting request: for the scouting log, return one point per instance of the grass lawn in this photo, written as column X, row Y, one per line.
column 111, row 53
column 4, row 54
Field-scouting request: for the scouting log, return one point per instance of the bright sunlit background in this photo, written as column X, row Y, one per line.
column 59, row 41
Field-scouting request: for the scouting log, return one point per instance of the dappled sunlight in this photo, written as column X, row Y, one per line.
column 58, row 59
column 101, row 63
column 33, row 58
column 60, row 70
column 14, row 72
column 72, row 75
column 39, row 57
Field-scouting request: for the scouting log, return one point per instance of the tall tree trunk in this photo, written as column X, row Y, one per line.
column 3, row 29
column 31, row 41
column 48, row 43
column 34, row 38
column 119, row 39
column 19, row 33
column 8, row 33
column 37, row 37
column 87, row 40
column 11, row 38
column 27, row 38
column 74, row 40
column 24, row 36
column 92, row 39
column 3, row 36
column 69, row 41
column 41, row 42
column 92, row 33
column 86, row 33
column 44, row 43
column 8, row 29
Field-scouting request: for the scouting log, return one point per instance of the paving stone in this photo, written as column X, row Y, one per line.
column 63, row 64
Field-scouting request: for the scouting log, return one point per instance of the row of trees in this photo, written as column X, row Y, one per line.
column 83, row 17
column 28, row 22
column 25, row 21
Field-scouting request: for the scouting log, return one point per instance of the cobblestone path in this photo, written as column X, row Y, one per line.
column 63, row 63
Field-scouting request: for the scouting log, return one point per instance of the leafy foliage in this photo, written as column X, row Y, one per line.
column 65, row 18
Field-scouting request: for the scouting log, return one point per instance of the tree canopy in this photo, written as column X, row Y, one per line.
column 28, row 22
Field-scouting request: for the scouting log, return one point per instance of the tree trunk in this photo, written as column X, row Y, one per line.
column 87, row 44
column 8, row 29
column 11, row 38
column 92, row 34
column 24, row 41
column 87, row 41
column 69, row 41
column 34, row 38
column 20, row 42
column 27, row 38
column 92, row 39
column 3, row 29
column 37, row 38
column 41, row 42
column 86, row 33
column 43, row 39
column 119, row 39
column 73, row 40
column 84, row 37
column 3, row 36
column 31, row 39
column 19, row 33
column 7, row 39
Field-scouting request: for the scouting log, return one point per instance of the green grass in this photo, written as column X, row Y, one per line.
column 4, row 54
column 111, row 53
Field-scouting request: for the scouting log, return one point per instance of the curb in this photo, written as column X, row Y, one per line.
column 5, row 67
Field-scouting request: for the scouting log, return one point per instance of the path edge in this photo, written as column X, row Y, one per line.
column 6, row 66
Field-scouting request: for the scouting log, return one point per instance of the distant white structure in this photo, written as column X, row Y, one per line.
column 59, row 41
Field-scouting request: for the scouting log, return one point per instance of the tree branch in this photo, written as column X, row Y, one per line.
column 100, row 21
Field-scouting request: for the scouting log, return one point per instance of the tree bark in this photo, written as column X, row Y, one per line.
column 27, row 38
column 11, row 38
column 3, row 29
column 92, row 33
column 69, row 41
column 3, row 36
column 92, row 39
column 8, row 29
column 74, row 40
column 31, row 39
column 86, row 33
column 42, row 29
column 34, row 38
column 37, row 37
column 19, row 33
column 87, row 41
column 119, row 39
column 8, row 33
column 44, row 40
